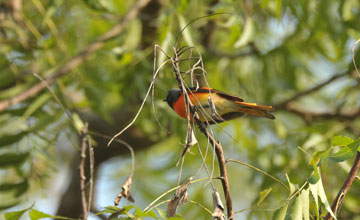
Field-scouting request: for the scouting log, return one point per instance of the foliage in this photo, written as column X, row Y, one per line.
column 267, row 51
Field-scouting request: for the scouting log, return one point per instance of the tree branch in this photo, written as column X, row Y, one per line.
column 335, row 207
column 84, row 146
column 284, row 104
column 78, row 58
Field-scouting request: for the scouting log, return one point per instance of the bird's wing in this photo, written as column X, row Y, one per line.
column 218, row 92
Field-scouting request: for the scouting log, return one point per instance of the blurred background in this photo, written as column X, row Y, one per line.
column 294, row 55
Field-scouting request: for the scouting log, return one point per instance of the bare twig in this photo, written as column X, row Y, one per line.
column 217, row 146
column 77, row 59
column 335, row 207
column 91, row 177
column 84, row 145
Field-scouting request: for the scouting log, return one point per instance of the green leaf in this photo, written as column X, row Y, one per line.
column 140, row 213
column 323, row 198
column 38, row 103
column 346, row 152
column 11, row 139
column 315, row 176
column 186, row 32
column 296, row 209
column 341, row 140
column 247, row 35
column 19, row 188
column 263, row 195
column 12, row 159
column 35, row 214
column 162, row 214
column 16, row 215
column 280, row 213
column 342, row 155
column 315, row 158
column 291, row 185
column 305, row 203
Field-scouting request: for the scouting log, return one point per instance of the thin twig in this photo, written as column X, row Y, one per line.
column 84, row 145
column 335, row 207
column 78, row 58
column 91, row 178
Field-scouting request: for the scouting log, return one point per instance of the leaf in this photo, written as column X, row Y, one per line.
column 296, row 209
column 291, row 186
column 346, row 152
column 247, row 35
column 280, row 213
column 12, row 159
column 315, row 193
column 35, row 214
column 35, row 105
column 162, row 214
column 341, row 140
column 317, row 190
column 16, row 215
column 186, row 32
column 140, row 213
column 315, row 176
column 19, row 188
column 263, row 195
column 342, row 155
column 11, row 139
column 305, row 203
column 323, row 198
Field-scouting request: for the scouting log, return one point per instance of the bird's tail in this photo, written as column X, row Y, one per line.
column 254, row 109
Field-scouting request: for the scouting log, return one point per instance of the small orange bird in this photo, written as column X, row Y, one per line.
column 214, row 106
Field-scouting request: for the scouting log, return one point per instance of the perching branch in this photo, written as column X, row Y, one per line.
column 202, row 127
column 84, row 146
column 335, row 207
column 78, row 58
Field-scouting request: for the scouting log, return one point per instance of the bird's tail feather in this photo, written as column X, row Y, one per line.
column 254, row 109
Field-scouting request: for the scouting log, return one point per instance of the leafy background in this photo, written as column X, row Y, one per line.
column 265, row 51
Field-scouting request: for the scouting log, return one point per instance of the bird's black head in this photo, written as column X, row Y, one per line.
column 172, row 96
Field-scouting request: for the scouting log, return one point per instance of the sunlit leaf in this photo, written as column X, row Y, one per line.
column 296, row 209
column 305, row 203
column 16, row 215
column 341, row 140
column 263, row 195
column 280, row 214
column 35, row 214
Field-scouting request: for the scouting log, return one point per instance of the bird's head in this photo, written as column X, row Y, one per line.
column 172, row 96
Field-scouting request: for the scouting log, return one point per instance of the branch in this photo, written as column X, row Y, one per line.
column 78, row 58
column 309, row 116
column 214, row 143
column 84, row 145
column 284, row 104
column 335, row 207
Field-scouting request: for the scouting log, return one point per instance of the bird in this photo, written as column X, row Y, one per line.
column 214, row 106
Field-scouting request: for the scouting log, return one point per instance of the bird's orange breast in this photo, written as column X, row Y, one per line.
column 196, row 99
